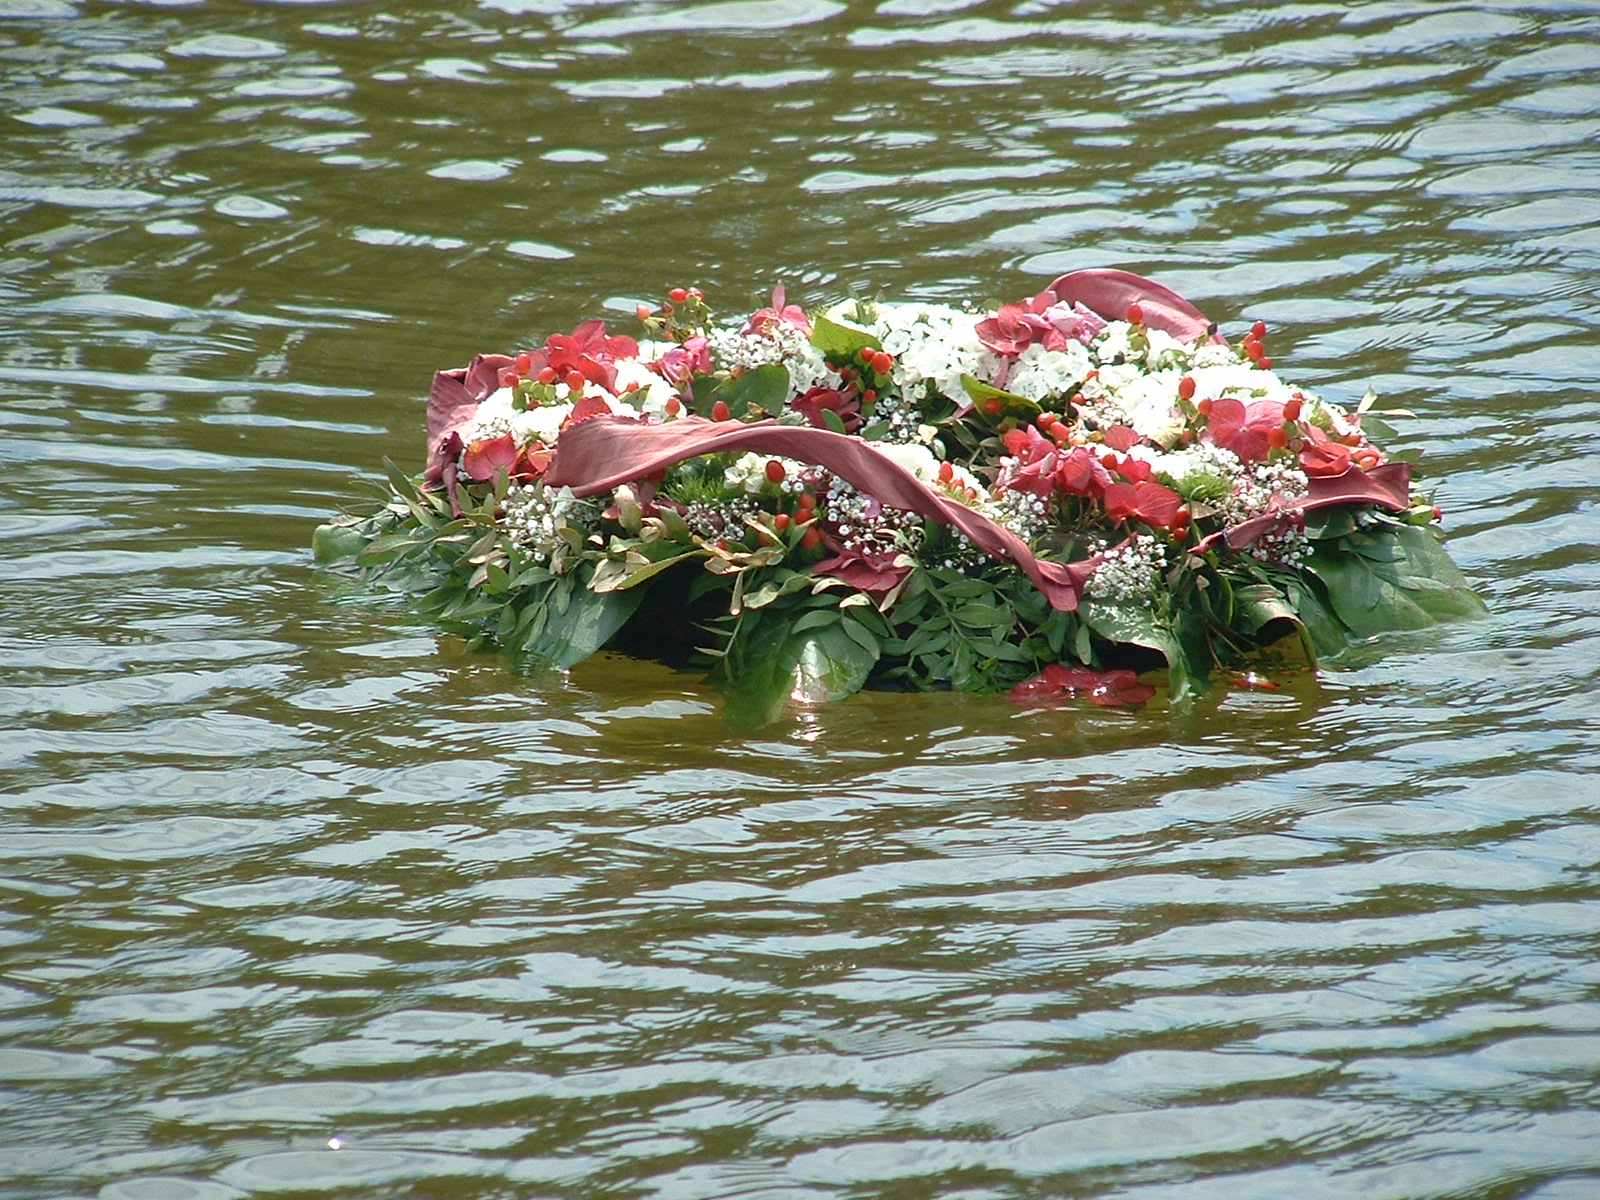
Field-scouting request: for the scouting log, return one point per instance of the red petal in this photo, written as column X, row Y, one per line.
column 1121, row 438
column 1121, row 501
column 486, row 459
column 1157, row 504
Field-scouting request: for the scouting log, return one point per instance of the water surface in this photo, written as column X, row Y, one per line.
column 283, row 868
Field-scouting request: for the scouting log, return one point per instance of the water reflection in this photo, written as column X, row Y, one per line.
column 283, row 867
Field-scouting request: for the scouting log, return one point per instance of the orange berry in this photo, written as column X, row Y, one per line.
column 811, row 538
column 1291, row 409
column 719, row 411
column 1135, row 314
column 1186, row 387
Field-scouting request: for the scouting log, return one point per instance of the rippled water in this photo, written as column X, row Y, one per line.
column 283, row 870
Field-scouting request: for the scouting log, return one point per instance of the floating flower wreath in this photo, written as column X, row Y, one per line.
column 1037, row 499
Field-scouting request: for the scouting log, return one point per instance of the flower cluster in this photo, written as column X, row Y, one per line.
column 1035, row 480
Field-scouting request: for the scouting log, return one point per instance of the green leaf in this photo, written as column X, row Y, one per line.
column 1412, row 585
column 578, row 622
column 765, row 387
column 1012, row 406
column 773, row 663
column 838, row 341
column 1138, row 625
column 333, row 542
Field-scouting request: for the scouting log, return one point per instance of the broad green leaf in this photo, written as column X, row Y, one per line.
column 333, row 542
column 774, row 666
column 766, row 387
column 1138, row 624
column 1011, row 405
column 578, row 623
column 1417, row 587
column 838, row 341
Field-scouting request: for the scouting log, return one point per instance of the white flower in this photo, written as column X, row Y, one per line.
column 748, row 472
column 652, row 390
column 1039, row 373
column 542, row 424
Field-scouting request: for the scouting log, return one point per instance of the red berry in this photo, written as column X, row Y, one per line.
column 719, row 411
column 805, row 505
column 575, row 381
column 643, row 312
column 678, row 295
column 1438, row 513
column 1277, row 438
column 1109, row 461
column 992, row 406
column 866, row 354
column 869, row 396
column 780, row 522
column 811, row 538
column 673, row 406
column 1252, row 349
column 775, row 470
column 1258, row 330
column 508, row 377
column 1291, row 409
column 1264, row 363
column 884, row 363
column 547, row 375
column 697, row 293
column 1180, row 519
column 946, row 472
column 1186, row 387
column 1135, row 313
column 523, row 363
column 1204, row 407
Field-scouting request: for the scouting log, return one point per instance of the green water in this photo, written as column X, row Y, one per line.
column 281, row 867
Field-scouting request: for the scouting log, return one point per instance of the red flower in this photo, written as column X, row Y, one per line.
column 1121, row 438
column 588, row 351
column 485, row 459
column 681, row 363
column 792, row 315
column 814, row 402
column 875, row 574
column 1014, row 328
column 1149, row 502
column 589, row 406
column 1035, row 467
column 1108, row 689
column 1322, row 457
column 1078, row 471
column 1244, row 430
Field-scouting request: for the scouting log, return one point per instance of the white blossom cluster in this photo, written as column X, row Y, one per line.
column 534, row 516
column 1131, row 571
column 1040, row 374
column 1023, row 513
column 864, row 524
column 723, row 519
column 930, row 343
column 779, row 343
column 1285, row 543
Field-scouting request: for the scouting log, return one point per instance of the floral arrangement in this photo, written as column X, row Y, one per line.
column 1040, row 499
